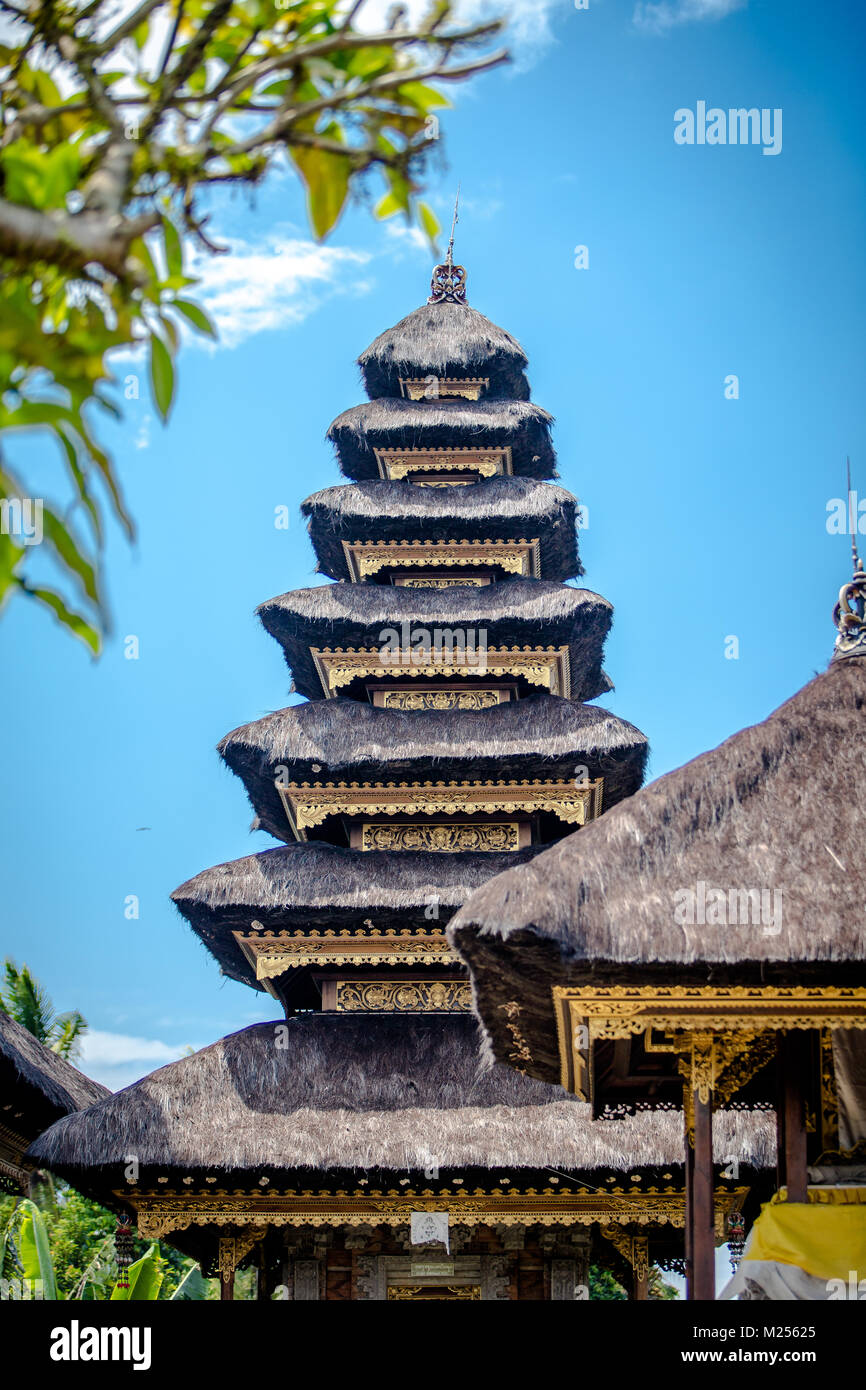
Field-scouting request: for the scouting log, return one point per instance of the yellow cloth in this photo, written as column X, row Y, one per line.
column 825, row 1237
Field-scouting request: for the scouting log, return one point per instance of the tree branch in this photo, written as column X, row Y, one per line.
column 70, row 241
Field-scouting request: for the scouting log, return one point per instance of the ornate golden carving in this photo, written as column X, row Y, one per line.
column 420, row 388
column 544, row 666
column 308, row 805
column 232, row 1250
column 492, row 836
column 689, row 1017
column 421, row 1293
column 829, row 1096
column 398, row 464
column 158, row 1216
column 271, row 955
column 635, row 1249
column 437, row 698
column 366, row 558
column 403, row 996
column 521, row 1051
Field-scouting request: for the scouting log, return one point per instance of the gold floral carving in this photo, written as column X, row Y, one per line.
column 635, row 1249
column 271, row 955
column 435, row 698
column 441, row 581
column 232, row 1250
column 544, row 666
column 158, row 1216
column 829, row 1097
column 308, row 805
column 366, row 558
column 403, row 996
column 457, row 838
column 688, row 1017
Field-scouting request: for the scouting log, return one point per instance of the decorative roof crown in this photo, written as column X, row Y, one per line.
column 849, row 615
column 448, row 285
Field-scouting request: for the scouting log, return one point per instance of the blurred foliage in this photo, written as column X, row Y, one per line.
column 114, row 124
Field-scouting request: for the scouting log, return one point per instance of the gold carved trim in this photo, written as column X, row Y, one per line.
column 307, row 805
column 158, row 1216
column 547, row 667
column 428, row 1293
column 398, row 464
column 403, row 996
column 271, row 955
column 467, row 388
column 439, row 697
column 460, row 837
column 366, row 558
column 688, row 1017
column 232, row 1250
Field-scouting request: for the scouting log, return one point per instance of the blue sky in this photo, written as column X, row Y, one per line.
column 706, row 515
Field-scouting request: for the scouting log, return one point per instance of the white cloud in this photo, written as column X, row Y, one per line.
column 660, row 16
column 277, row 281
column 117, row 1059
column 411, row 238
column 528, row 34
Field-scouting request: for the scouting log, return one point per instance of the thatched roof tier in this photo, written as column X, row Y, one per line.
column 542, row 736
column 342, row 1092
column 514, row 613
column 445, row 340
column 775, row 814
column 395, row 424
column 37, row 1087
column 496, row 509
column 311, row 886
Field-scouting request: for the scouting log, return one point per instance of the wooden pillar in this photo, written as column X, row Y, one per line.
column 689, row 1216
column 640, row 1262
column 794, row 1058
column 702, row 1233
column 227, row 1285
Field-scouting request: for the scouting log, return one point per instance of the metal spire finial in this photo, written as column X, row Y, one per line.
column 849, row 615
column 448, row 285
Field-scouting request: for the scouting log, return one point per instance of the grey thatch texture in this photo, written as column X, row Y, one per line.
column 349, row 1093
column 445, row 340
column 515, row 613
column 344, row 740
column 315, row 886
column 496, row 509
column 392, row 424
column 778, row 807
column 39, row 1076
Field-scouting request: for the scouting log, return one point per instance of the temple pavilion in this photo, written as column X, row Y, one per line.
column 363, row 1148
column 707, row 942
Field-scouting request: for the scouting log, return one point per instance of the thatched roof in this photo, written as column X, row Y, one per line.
column 514, row 613
column 350, row 1093
column 497, row 509
column 445, row 340
column 542, row 736
column 312, row 886
column 778, row 807
column 36, row 1085
column 392, row 424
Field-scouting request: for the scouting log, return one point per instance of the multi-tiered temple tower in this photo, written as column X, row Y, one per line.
column 445, row 737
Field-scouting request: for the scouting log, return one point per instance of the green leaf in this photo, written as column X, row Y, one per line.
column 78, row 626
column 388, row 206
column 39, row 178
column 144, row 1278
column 63, row 542
column 429, row 222
column 34, row 1251
column 327, row 179
column 173, row 248
column 161, row 375
column 419, row 95
column 196, row 316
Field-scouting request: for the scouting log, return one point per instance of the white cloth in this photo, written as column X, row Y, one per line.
column 429, row 1225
